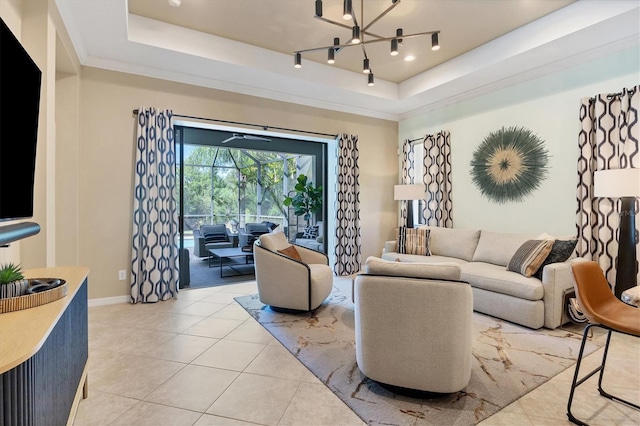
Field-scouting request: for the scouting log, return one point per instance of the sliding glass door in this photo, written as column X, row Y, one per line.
column 242, row 181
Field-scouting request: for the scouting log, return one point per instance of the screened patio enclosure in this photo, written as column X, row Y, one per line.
column 235, row 186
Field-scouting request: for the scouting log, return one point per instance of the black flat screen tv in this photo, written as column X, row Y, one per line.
column 20, row 82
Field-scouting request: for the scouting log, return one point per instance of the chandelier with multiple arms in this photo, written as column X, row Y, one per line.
column 358, row 36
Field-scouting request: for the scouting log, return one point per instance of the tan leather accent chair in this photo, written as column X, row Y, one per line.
column 287, row 284
column 604, row 310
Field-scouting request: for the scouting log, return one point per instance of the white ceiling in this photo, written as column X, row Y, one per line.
column 247, row 46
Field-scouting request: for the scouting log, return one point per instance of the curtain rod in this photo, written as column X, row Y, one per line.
column 612, row 95
column 262, row 126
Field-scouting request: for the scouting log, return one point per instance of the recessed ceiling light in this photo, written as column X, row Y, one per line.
column 175, row 3
column 409, row 58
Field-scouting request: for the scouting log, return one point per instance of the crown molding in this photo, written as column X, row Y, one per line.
column 105, row 35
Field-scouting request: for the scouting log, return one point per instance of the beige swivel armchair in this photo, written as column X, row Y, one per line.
column 287, row 284
column 413, row 324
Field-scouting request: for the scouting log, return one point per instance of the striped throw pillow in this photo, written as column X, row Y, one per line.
column 413, row 241
column 528, row 258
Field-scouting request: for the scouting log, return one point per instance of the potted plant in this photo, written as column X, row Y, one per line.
column 307, row 199
column 12, row 282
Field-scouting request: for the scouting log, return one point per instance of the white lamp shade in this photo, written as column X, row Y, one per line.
column 409, row 192
column 614, row 183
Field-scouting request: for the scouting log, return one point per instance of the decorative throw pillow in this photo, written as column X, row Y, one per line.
column 528, row 258
column 311, row 231
column 400, row 241
column 561, row 251
column 413, row 241
column 214, row 237
column 291, row 252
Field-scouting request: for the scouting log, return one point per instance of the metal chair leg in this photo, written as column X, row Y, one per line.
column 575, row 383
column 601, row 390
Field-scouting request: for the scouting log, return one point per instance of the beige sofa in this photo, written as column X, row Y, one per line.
column 483, row 257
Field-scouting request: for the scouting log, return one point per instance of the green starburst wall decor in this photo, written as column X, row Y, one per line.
column 509, row 164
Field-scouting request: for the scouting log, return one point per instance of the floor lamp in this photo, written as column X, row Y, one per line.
column 624, row 184
column 409, row 193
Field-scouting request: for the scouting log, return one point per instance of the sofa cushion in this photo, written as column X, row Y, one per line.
column 451, row 242
column 416, row 258
column 529, row 256
column 497, row 247
column 413, row 241
column 213, row 229
column 561, row 251
column 436, row 271
column 219, row 245
column 496, row 278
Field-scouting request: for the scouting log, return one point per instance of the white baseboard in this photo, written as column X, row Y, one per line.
column 108, row 301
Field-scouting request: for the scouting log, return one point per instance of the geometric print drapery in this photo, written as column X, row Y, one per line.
column 347, row 248
column 408, row 174
column 154, row 261
column 436, row 175
column 608, row 139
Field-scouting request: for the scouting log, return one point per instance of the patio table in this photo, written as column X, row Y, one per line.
column 228, row 254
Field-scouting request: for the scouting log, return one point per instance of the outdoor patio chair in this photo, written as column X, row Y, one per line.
column 251, row 232
column 211, row 236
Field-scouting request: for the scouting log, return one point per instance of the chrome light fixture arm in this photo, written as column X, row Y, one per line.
column 378, row 40
column 389, row 9
column 358, row 35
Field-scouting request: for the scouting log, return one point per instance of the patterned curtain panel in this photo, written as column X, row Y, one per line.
column 436, row 175
column 608, row 139
column 408, row 174
column 154, row 262
column 348, row 259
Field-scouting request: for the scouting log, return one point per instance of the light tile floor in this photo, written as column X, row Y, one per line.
column 202, row 360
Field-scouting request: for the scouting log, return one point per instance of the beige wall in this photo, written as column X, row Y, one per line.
column 66, row 169
column 106, row 160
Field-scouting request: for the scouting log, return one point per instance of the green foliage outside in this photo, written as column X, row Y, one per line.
column 234, row 188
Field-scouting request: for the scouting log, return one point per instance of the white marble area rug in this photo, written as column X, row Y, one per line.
column 508, row 362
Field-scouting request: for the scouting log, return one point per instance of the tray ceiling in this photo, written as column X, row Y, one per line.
column 247, row 46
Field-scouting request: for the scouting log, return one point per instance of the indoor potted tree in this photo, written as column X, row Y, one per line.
column 307, row 199
column 12, row 282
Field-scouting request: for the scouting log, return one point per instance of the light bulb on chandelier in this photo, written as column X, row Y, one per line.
column 355, row 38
column 365, row 66
column 359, row 31
column 347, row 13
